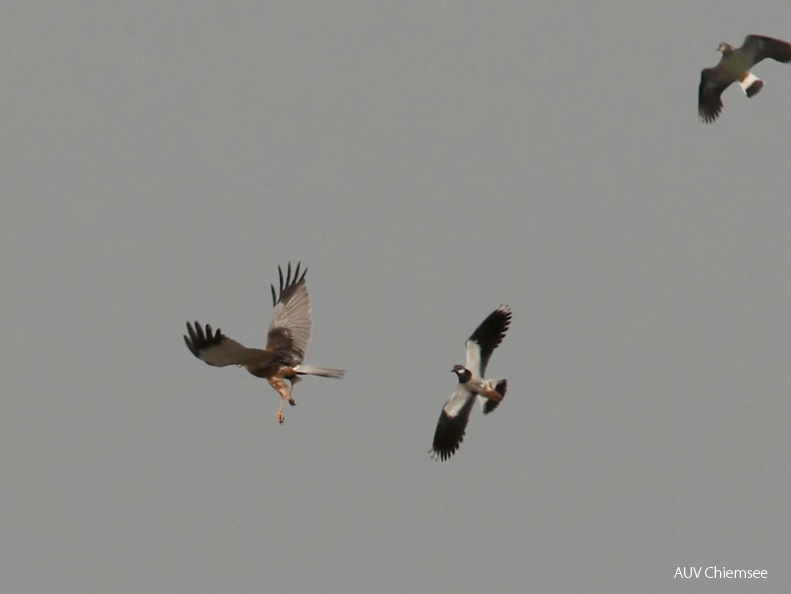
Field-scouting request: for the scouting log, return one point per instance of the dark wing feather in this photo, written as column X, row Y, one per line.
column 287, row 287
column 757, row 47
column 713, row 81
column 216, row 349
column 452, row 424
column 289, row 331
column 486, row 338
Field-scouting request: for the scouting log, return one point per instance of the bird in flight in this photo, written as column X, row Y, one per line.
column 456, row 412
column 280, row 362
column 735, row 66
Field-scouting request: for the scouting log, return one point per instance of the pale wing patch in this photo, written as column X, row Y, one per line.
column 452, row 424
column 474, row 358
column 457, row 401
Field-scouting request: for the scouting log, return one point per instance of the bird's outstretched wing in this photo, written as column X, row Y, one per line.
column 757, row 47
column 713, row 81
column 289, row 331
column 486, row 338
column 217, row 349
column 452, row 423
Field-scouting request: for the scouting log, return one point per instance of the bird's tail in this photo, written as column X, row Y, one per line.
column 487, row 404
column 751, row 84
column 320, row 371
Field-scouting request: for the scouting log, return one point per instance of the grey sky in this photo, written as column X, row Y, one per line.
column 427, row 161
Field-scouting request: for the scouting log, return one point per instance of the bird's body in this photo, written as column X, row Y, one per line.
column 734, row 66
column 471, row 383
column 455, row 414
column 280, row 362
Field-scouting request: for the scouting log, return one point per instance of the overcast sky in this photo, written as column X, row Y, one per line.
column 427, row 161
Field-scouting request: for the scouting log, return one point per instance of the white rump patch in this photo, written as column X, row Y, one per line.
column 747, row 81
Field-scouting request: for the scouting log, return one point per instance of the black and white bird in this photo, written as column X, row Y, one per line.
column 735, row 66
column 280, row 362
column 456, row 412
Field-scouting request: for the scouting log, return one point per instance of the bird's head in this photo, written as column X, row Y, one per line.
column 725, row 48
column 462, row 372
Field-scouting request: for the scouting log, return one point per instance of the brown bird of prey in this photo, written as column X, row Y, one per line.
column 456, row 412
column 280, row 362
column 735, row 66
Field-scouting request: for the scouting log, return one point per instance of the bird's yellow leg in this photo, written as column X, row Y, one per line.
column 282, row 388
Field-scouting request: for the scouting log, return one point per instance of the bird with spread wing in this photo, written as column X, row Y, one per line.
column 280, row 362
column 456, row 412
column 735, row 66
